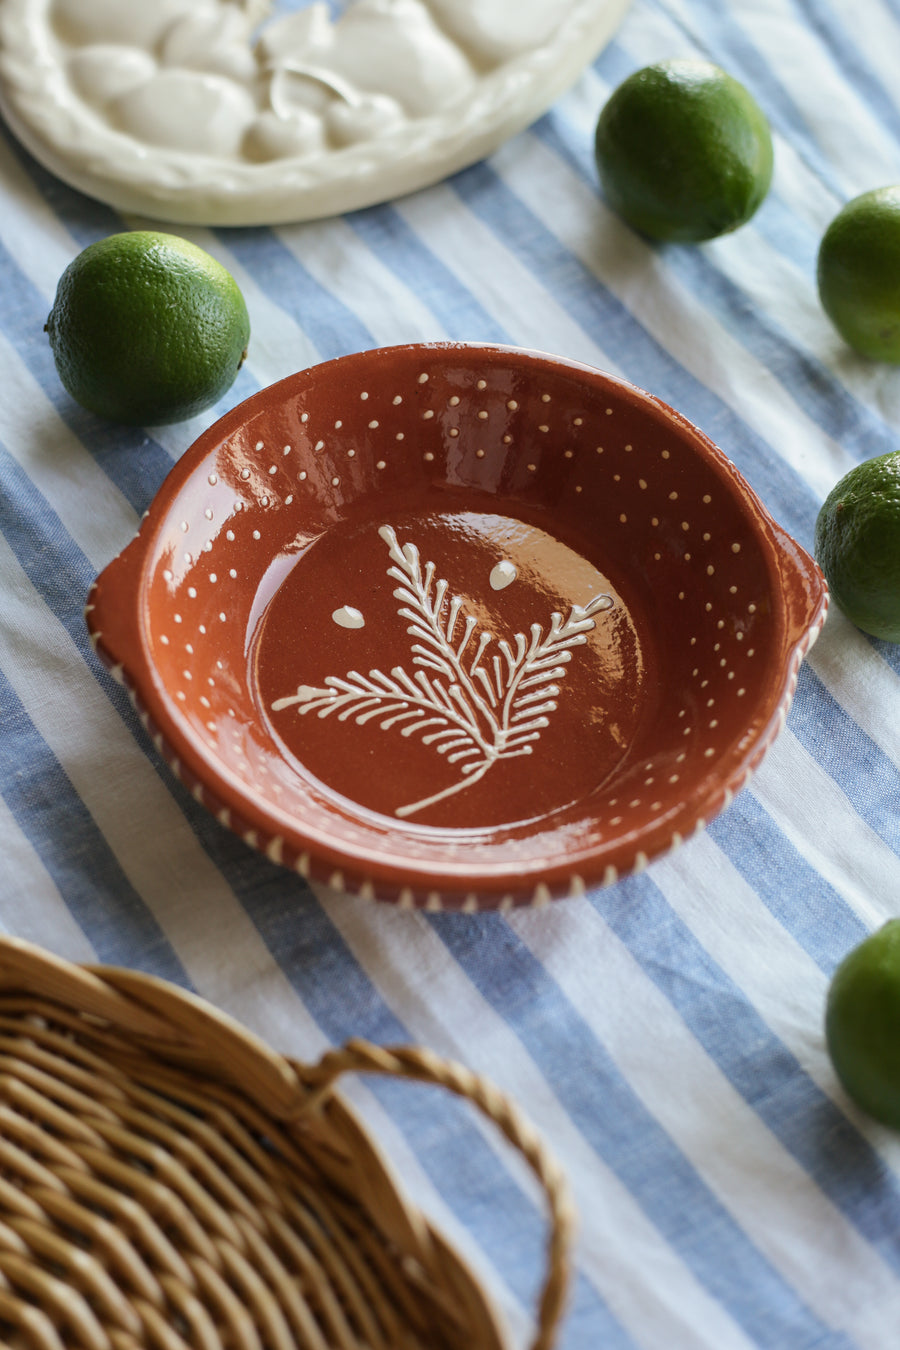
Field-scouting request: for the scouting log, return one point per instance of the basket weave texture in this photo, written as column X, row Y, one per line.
column 169, row 1181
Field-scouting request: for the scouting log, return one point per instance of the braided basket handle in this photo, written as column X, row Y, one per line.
column 423, row 1066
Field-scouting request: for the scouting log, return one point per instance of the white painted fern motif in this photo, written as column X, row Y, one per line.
column 473, row 707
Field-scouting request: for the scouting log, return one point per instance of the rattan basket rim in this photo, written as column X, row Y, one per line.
column 133, row 1037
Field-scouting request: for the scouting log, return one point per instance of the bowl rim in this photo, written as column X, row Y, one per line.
column 115, row 614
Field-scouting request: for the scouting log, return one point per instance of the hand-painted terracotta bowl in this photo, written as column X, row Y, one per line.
column 459, row 626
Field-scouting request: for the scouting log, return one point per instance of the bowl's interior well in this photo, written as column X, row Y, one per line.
column 469, row 601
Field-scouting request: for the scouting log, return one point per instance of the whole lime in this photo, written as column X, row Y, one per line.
column 857, row 545
column 858, row 273
column 147, row 328
column 683, row 151
column 862, row 1023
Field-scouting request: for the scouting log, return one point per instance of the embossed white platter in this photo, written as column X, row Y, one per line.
column 200, row 111
column 459, row 625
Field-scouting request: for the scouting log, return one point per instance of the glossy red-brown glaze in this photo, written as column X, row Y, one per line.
column 459, row 624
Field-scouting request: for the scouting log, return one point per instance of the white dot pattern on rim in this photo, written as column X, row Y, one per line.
column 260, row 496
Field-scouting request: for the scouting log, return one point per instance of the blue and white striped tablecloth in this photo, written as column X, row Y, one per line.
column 665, row 1034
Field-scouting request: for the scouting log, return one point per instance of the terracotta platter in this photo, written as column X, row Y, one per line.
column 458, row 625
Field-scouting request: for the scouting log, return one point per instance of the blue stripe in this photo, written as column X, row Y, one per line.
column 810, row 384
column 889, row 652
column 851, row 62
column 856, row 763
column 74, row 852
column 38, row 792
column 332, row 328
column 756, row 1063
column 802, row 901
column 627, row 1137
column 457, row 1160
column 83, row 217
column 787, row 235
column 50, row 559
column 463, row 319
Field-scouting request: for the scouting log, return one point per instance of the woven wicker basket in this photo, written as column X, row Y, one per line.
column 168, row 1181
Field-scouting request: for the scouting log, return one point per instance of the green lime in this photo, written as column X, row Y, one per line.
column 857, row 545
column 683, row 151
column 858, row 273
column 147, row 328
column 862, row 1024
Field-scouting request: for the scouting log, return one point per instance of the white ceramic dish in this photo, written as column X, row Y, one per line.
column 183, row 110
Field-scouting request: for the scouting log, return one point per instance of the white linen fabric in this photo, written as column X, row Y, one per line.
column 664, row 1034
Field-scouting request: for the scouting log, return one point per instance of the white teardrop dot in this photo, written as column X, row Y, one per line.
column 348, row 617
column 503, row 574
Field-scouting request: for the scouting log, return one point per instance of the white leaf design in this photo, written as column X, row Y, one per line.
column 472, row 710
